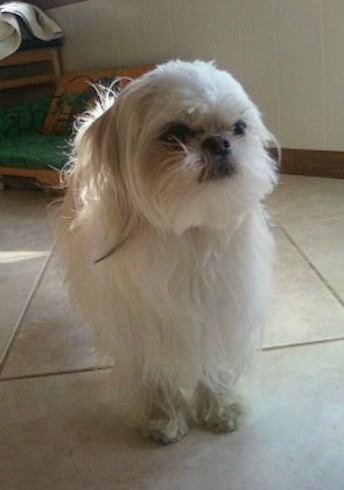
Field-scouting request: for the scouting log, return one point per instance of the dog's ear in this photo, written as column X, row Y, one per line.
column 96, row 177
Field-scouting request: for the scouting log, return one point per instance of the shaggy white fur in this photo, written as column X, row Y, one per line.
column 168, row 258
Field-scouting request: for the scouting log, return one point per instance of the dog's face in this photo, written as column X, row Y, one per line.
column 190, row 146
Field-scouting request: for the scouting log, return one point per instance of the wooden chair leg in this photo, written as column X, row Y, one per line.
column 56, row 63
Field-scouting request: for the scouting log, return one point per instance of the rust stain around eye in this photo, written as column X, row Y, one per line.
column 161, row 168
column 161, row 159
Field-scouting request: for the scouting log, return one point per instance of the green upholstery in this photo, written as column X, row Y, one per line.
column 23, row 117
column 34, row 137
column 23, row 144
column 34, row 150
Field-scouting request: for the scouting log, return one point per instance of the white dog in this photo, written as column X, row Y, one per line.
column 165, row 242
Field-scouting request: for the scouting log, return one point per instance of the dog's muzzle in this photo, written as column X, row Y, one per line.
column 219, row 158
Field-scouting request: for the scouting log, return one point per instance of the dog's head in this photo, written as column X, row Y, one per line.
column 181, row 147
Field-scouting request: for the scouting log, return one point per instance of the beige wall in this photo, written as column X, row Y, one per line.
column 289, row 54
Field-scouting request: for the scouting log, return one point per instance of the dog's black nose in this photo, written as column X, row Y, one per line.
column 217, row 145
column 219, row 161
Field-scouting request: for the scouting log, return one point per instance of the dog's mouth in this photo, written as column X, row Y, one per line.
column 217, row 168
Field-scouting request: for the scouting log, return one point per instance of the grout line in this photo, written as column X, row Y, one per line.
column 28, row 303
column 302, row 344
column 282, row 223
column 55, row 373
column 312, row 266
column 322, row 220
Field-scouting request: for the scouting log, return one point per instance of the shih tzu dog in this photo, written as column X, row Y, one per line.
column 166, row 246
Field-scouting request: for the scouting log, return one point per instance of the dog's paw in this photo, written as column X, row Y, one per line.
column 226, row 420
column 165, row 431
column 217, row 415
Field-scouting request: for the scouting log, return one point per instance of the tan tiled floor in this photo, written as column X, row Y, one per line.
column 57, row 423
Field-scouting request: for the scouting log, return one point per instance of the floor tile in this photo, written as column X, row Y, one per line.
column 52, row 337
column 25, row 227
column 322, row 243
column 303, row 309
column 23, row 197
column 25, row 241
column 303, row 199
column 16, row 283
column 61, row 432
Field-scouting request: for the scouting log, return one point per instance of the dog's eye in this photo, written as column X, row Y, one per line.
column 177, row 133
column 239, row 128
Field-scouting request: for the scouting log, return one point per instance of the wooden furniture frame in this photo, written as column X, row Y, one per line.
column 29, row 57
column 52, row 178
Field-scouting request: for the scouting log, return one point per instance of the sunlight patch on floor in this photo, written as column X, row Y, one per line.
column 21, row 255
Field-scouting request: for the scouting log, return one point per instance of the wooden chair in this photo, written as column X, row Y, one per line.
column 28, row 57
column 58, row 120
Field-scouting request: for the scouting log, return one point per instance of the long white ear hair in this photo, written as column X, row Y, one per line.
column 97, row 192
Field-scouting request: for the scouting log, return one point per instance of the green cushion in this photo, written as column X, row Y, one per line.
column 24, row 117
column 33, row 150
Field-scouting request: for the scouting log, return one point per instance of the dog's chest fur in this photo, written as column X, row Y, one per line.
column 198, row 296
column 192, row 298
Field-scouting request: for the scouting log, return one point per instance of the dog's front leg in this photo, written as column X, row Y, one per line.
column 165, row 413
column 217, row 407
